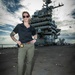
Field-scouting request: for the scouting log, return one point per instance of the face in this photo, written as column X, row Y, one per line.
column 26, row 17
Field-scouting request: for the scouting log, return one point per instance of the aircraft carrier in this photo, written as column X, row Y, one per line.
column 44, row 24
column 48, row 60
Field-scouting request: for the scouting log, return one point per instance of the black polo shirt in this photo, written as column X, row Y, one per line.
column 25, row 34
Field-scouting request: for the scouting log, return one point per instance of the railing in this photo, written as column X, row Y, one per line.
column 8, row 45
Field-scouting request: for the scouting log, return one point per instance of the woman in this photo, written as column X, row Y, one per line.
column 26, row 44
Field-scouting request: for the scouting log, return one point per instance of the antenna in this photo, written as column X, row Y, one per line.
column 47, row 2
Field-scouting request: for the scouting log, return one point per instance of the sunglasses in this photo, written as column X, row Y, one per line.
column 25, row 16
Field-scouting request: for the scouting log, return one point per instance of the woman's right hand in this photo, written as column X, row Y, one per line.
column 18, row 42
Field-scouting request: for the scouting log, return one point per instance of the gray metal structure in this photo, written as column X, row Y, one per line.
column 46, row 28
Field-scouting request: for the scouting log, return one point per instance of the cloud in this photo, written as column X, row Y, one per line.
column 73, row 13
column 5, row 29
column 7, row 13
column 11, row 10
column 64, row 17
column 12, row 5
column 5, row 39
column 64, row 11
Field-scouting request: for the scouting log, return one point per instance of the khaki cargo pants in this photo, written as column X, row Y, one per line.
column 25, row 58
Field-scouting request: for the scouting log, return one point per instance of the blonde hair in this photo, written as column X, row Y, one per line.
column 28, row 15
column 25, row 12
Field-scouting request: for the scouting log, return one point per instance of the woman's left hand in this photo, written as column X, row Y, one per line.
column 33, row 41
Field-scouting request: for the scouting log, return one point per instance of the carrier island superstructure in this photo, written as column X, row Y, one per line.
column 44, row 24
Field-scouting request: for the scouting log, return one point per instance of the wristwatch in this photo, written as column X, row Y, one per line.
column 22, row 45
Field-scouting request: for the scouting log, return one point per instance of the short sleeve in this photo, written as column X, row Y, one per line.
column 15, row 29
column 33, row 31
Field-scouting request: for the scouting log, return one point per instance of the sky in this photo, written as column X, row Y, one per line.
column 65, row 19
column 11, row 10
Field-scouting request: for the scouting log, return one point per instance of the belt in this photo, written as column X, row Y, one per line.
column 22, row 45
column 28, row 42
